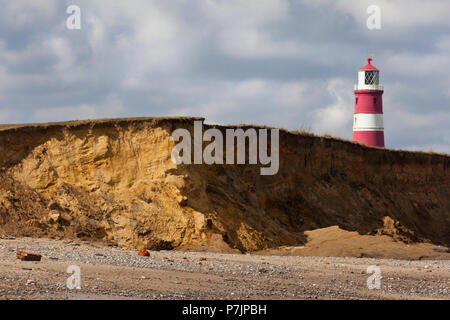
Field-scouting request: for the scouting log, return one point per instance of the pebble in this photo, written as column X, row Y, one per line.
column 247, row 275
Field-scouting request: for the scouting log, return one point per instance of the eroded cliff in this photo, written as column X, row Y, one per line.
column 114, row 180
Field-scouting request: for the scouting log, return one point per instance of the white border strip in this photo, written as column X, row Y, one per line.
column 368, row 122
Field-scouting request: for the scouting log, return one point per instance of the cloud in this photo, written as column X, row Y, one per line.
column 394, row 14
column 244, row 102
column 334, row 119
column 111, row 107
column 21, row 14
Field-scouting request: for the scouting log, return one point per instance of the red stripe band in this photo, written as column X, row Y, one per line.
column 369, row 138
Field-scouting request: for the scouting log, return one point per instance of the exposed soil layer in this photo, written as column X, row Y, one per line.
column 113, row 180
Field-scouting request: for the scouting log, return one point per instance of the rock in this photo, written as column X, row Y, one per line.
column 143, row 253
column 53, row 205
column 25, row 256
column 53, row 217
column 60, row 218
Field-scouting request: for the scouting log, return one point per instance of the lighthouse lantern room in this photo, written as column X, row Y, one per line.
column 368, row 117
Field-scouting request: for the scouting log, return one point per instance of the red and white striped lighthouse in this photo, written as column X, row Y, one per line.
column 368, row 118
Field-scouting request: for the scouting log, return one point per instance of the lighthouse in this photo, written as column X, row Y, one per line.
column 368, row 118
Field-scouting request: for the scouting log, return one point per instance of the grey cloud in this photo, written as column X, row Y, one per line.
column 280, row 63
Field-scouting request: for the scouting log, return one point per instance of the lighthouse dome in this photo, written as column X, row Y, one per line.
column 369, row 66
column 368, row 78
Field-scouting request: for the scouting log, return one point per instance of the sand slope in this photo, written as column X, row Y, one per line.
column 335, row 242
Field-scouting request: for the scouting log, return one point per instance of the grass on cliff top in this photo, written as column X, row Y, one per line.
column 7, row 126
column 303, row 131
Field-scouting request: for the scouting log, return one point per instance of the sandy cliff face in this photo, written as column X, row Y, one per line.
column 114, row 180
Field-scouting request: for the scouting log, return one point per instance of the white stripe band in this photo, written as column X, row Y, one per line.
column 368, row 122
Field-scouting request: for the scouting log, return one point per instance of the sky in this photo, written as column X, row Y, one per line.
column 281, row 63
